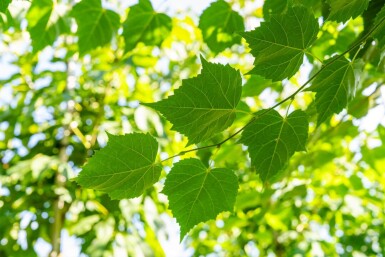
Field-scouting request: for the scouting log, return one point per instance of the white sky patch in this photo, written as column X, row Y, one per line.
column 70, row 246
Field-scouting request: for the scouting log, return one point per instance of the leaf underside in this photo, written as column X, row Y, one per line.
column 205, row 105
column 124, row 168
column 279, row 44
column 197, row 194
column 272, row 140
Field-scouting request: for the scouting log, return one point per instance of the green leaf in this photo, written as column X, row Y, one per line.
column 359, row 106
column 273, row 7
column 335, row 87
column 205, row 105
column 218, row 23
column 381, row 133
column 343, row 10
column 256, row 84
column 197, row 193
column 272, row 140
column 279, row 44
column 96, row 25
column 380, row 22
column 124, row 168
column 145, row 25
column 44, row 24
column 4, row 5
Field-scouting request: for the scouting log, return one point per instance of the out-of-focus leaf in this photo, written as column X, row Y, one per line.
column 273, row 7
column 218, row 24
column 343, row 10
column 145, row 25
column 381, row 132
column 44, row 24
column 4, row 5
column 356, row 182
column 96, row 25
column 84, row 225
column 359, row 106
column 256, row 84
column 379, row 22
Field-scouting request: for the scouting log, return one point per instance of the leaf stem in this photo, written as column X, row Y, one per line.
column 314, row 56
column 292, row 96
column 359, row 49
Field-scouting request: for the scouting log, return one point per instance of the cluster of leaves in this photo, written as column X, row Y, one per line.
column 210, row 110
column 207, row 104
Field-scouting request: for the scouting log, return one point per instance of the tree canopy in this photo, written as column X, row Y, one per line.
column 226, row 128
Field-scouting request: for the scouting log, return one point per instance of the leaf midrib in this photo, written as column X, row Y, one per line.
column 275, row 147
column 197, row 196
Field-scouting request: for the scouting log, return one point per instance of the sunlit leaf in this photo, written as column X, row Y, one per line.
column 44, row 24
column 257, row 84
column 359, row 106
column 380, row 23
column 273, row 7
column 204, row 105
column 218, row 24
column 96, row 25
column 4, row 5
column 272, row 140
column 335, row 87
column 197, row 193
column 145, row 25
column 279, row 45
column 124, row 168
column 343, row 10
column 381, row 133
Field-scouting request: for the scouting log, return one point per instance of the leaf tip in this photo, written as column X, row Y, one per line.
column 146, row 104
column 181, row 237
column 109, row 135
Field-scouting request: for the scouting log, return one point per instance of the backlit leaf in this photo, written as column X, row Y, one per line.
column 335, row 87
column 4, row 5
column 218, row 24
column 44, row 24
column 204, row 105
column 343, row 10
column 145, row 25
column 124, row 168
column 380, row 22
column 96, row 25
column 273, row 7
column 272, row 140
column 197, row 193
column 279, row 44
column 381, row 133
column 256, row 84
